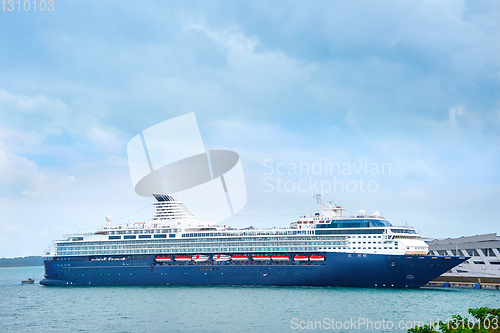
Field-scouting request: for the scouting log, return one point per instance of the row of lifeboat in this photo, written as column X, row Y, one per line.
column 225, row 257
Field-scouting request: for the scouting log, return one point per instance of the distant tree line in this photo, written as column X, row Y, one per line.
column 21, row 262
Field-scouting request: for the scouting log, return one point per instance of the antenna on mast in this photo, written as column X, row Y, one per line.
column 318, row 198
column 328, row 209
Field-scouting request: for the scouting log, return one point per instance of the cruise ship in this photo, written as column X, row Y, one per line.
column 175, row 248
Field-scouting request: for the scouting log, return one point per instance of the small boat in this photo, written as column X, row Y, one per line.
column 239, row 258
column 163, row 259
column 278, row 257
column 28, row 281
column 182, row 258
column 221, row 257
column 301, row 258
column 261, row 258
column 317, row 258
column 200, row 258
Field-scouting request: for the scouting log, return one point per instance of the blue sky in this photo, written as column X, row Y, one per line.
column 412, row 84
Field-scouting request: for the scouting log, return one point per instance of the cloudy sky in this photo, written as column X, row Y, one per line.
column 401, row 96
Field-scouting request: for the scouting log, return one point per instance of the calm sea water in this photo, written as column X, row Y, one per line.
column 35, row 308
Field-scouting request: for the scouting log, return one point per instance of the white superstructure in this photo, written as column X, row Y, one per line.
column 173, row 230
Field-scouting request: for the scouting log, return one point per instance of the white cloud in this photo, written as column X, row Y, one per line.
column 38, row 114
column 455, row 113
column 16, row 137
column 271, row 80
column 19, row 175
column 411, row 161
column 351, row 118
column 459, row 116
column 9, row 227
column 24, row 103
column 106, row 139
column 8, row 232
column 232, row 39
column 116, row 161
column 15, row 169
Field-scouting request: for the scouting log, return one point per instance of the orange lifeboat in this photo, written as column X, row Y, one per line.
column 261, row 257
column 221, row 257
column 182, row 258
column 278, row 257
column 239, row 258
column 200, row 258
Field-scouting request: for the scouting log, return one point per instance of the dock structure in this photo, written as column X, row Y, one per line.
column 481, row 271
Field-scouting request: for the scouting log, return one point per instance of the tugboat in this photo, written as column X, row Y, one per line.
column 28, row 281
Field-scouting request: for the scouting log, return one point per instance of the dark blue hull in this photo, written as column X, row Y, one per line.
column 338, row 269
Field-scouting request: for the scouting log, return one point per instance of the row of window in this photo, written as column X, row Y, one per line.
column 193, row 250
column 248, row 233
column 361, row 223
column 211, row 250
column 134, row 257
column 141, row 231
column 403, row 231
column 350, row 232
column 141, row 236
column 136, row 245
column 187, row 246
column 375, row 248
column 213, row 233
column 206, row 240
column 275, row 244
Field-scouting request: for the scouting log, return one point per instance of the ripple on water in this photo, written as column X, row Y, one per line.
column 216, row 308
